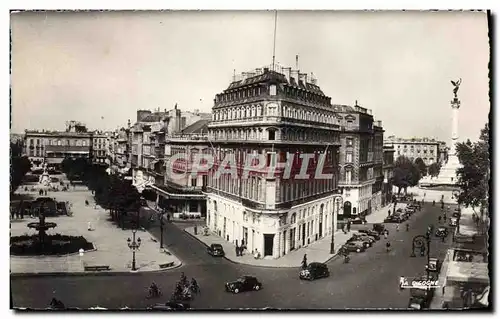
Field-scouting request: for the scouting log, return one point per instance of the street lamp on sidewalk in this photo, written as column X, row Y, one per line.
column 160, row 215
column 338, row 203
column 134, row 246
column 420, row 242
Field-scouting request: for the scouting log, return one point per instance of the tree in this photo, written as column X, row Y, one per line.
column 474, row 175
column 406, row 174
column 421, row 166
column 19, row 166
column 434, row 169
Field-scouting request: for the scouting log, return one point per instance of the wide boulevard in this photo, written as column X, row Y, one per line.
column 370, row 280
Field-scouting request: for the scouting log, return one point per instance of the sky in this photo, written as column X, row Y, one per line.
column 100, row 67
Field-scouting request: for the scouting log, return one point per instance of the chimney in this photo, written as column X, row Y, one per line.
column 303, row 77
column 286, row 72
column 295, row 74
column 266, row 70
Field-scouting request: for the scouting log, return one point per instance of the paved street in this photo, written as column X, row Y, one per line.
column 370, row 280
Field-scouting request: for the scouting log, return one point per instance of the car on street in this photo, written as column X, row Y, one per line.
column 365, row 237
column 314, row 270
column 366, row 242
column 370, row 232
column 244, row 283
column 393, row 219
column 433, row 265
column 453, row 221
column 356, row 246
column 379, row 228
column 456, row 214
column 216, row 250
column 357, row 221
column 441, row 232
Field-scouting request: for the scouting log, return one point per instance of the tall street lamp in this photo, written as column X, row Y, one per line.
column 134, row 246
column 338, row 203
column 160, row 215
column 423, row 243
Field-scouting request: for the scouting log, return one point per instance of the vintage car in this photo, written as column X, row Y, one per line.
column 216, row 250
column 314, row 270
column 453, row 221
column 433, row 265
column 441, row 232
column 379, row 228
column 356, row 246
column 364, row 237
column 244, row 283
column 370, row 232
column 393, row 219
column 366, row 242
column 420, row 298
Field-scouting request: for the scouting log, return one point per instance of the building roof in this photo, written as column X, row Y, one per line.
column 199, row 126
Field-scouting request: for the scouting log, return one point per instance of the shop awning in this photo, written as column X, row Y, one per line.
column 460, row 271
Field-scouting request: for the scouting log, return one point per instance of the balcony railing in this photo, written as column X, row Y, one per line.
column 189, row 137
column 66, row 148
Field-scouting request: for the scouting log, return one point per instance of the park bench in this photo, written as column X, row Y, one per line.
column 96, row 268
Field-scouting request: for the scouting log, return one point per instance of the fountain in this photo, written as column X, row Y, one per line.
column 43, row 244
column 42, row 226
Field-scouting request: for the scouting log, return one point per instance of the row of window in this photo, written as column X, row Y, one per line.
column 59, row 142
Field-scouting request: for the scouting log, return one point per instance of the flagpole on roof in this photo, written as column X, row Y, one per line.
column 274, row 40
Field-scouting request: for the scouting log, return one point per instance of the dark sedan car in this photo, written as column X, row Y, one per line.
column 216, row 250
column 244, row 283
column 356, row 246
column 366, row 242
column 314, row 270
column 393, row 219
column 370, row 232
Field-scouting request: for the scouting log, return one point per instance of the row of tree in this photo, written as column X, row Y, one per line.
column 19, row 165
column 407, row 173
column 475, row 172
column 110, row 191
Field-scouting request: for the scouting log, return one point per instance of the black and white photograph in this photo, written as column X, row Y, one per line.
column 193, row 160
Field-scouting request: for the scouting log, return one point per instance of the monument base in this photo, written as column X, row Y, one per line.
column 447, row 175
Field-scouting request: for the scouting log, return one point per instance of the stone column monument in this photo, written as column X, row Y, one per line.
column 448, row 173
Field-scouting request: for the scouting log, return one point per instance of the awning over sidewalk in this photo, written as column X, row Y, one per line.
column 177, row 195
column 459, row 271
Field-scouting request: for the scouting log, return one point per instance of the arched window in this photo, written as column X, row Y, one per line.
column 293, row 219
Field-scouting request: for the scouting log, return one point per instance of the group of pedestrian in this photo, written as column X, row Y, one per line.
column 17, row 213
column 240, row 249
column 42, row 192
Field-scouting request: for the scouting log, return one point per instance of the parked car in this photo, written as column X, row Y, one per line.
column 244, row 283
column 379, row 228
column 314, row 270
column 456, row 214
column 393, row 219
column 433, row 265
column 364, row 237
column 370, row 232
column 441, row 232
column 365, row 241
column 453, row 221
column 216, row 250
column 356, row 246
column 357, row 221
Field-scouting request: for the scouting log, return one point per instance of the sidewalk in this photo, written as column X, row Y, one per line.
column 318, row 251
column 379, row 215
column 438, row 299
column 109, row 240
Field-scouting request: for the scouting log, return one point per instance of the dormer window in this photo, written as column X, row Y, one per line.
column 272, row 90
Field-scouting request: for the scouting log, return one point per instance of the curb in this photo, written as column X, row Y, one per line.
column 84, row 274
column 247, row 264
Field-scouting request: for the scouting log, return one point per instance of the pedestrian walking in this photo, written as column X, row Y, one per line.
column 397, row 227
column 407, row 227
column 348, row 226
column 389, row 213
column 237, row 250
column 433, row 203
column 304, row 262
column 439, row 219
column 385, row 234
